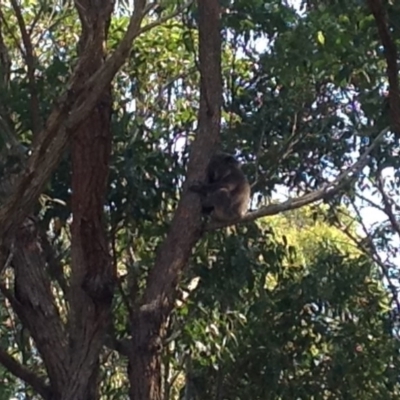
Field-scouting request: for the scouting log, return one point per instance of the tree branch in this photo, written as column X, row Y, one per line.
column 10, row 363
column 388, row 206
column 11, row 32
column 71, row 109
column 371, row 251
column 25, row 374
column 34, row 302
column 327, row 190
column 185, row 228
column 5, row 62
column 148, row 327
column 96, row 84
column 166, row 18
column 29, row 57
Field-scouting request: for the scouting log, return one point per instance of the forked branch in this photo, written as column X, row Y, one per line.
column 71, row 109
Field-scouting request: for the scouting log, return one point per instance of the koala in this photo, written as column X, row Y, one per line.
column 226, row 193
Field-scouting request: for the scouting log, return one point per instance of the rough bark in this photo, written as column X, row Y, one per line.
column 35, row 306
column 73, row 107
column 70, row 353
column 92, row 273
column 148, row 326
column 33, row 302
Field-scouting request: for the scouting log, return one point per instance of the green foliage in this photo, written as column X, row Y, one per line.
column 262, row 326
column 283, row 309
column 308, row 232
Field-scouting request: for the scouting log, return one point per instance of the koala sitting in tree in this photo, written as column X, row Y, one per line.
column 226, row 193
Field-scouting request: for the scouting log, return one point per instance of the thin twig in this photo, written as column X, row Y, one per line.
column 161, row 20
column 371, row 251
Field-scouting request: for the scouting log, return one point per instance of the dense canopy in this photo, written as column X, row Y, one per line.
column 114, row 285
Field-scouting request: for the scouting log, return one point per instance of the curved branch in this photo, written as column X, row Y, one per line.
column 10, row 363
column 327, row 190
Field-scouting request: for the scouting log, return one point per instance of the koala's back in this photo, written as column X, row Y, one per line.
column 226, row 194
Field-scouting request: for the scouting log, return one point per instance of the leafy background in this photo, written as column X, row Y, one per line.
column 301, row 305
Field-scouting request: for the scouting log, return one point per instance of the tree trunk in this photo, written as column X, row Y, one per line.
column 148, row 326
column 70, row 352
column 92, row 273
column 145, row 365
